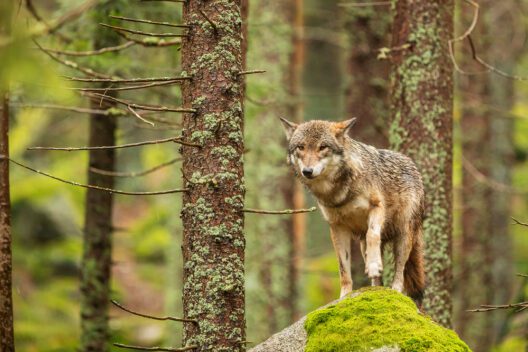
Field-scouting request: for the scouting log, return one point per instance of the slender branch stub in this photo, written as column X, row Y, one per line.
column 279, row 212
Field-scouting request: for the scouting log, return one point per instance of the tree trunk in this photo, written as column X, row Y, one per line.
column 97, row 242
column 367, row 90
column 294, row 191
column 503, row 52
column 474, row 255
column 213, row 221
column 422, row 98
column 7, row 340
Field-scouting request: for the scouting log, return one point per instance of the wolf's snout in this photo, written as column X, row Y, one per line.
column 307, row 172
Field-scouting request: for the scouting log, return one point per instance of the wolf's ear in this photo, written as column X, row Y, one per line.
column 345, row 126
column 289, row 127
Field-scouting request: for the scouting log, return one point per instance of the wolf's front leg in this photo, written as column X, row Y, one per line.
column 373, row 263
column 342, row 240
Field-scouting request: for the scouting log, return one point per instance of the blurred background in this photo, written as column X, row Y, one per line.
column 322, row 61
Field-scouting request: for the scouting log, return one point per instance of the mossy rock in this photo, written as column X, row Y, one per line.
column 374, row 319
column 377, row 319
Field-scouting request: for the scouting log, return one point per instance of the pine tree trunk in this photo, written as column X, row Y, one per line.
column 475, row 252
column 294, row 191
column 503, row 52
column 213, row 221
column 422, row 98
column 367, row 91
column 97, row 242
column 7, row 339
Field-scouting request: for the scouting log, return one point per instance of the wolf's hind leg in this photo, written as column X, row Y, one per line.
column 402, row 250
column 342, row 241
column 373, row 263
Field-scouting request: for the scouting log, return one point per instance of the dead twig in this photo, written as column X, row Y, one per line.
column 150, row 22
column 279, row 212
column 129, row 145
column 143, row 86
column 92, row 52
column 141, row 348
column 364, row 4
column 104, row 189
column 250, row 72
column 115, row 303
column 517, row 222
column 215, row 28
column 126, row 80
column 134, row 173
column 148, row 34
column 139, row 106
column 151, row 41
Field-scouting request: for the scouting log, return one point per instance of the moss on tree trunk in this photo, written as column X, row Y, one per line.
column 421, row 127
column 213, row 239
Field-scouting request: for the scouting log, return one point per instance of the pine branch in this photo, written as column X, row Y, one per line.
column 151, row 22
column 127, row 80
column 141, row 348
column 279, row 212
column 135, row 173
column 129, row 145
column 151, row 316
column 148, row 34
column 92, row 52
column 109, row 190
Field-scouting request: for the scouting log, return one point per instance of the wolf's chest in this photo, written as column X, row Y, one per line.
column 353, row 215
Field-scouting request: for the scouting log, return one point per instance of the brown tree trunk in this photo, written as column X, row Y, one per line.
column 294, row 191
column 422, row 99
column 474, row 255
column 97, row 241
column 368, row 30
column 7, row 340
column 213, row 221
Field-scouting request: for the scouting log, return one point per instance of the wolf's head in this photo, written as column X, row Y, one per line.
column 316, row 147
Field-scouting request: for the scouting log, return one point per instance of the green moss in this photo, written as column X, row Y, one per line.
column 377, row 317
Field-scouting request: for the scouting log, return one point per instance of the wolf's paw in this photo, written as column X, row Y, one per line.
column 374, row 269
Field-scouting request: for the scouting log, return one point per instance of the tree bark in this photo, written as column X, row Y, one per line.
column 294, row 192
column 366, row 91
column 97, row 241
column 422, row 98
column 213, row 239
column 7, row 339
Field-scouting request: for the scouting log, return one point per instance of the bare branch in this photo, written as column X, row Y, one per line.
column 151, row 22
column 110, row 190
column 215, row 28
column 517, row 222
column 108, row 112
column 522, row 275
column 182, row 1
column 71, row 64
column 279, row 212
column 188, row 348
column 151, row 316
column 92, row 52
column 141, row 118
column 135, row 173
column 151, row 41
column 33, row 11
column 127, row 80
column 480, row 177
column 250, row 72
column 130, row 145
column 143, row 86
column 138, row 106
column 364, row 4
column 488, row 307
column 148, row 34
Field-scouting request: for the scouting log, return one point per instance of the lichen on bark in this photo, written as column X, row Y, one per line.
column 421, row 127
column 213, row 239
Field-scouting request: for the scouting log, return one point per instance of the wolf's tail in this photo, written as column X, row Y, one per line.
column 413, row 275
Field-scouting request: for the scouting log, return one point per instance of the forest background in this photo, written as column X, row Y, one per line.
column 344, row 74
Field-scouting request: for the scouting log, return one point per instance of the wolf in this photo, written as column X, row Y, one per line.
column 372, row 195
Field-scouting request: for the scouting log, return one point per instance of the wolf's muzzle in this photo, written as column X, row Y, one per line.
column 307, row 172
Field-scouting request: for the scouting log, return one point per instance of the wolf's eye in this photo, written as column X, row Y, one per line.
column 323, row 147
column 300, row 147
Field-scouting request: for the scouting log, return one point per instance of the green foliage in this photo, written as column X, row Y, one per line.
column 377, row 317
